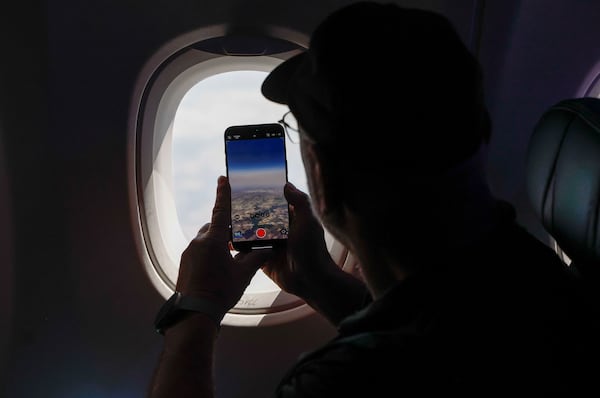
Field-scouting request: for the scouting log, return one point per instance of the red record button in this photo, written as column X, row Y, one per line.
column 261, row 233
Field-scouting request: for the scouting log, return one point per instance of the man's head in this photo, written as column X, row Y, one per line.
column 390, row 83
column 390, row 105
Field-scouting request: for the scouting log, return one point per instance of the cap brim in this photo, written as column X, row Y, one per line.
column 276, row 85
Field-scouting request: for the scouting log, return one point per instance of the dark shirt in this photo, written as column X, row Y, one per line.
column 505, row 317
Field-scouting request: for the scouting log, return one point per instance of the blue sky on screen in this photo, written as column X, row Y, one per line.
column 257, row 153
column 256, row 163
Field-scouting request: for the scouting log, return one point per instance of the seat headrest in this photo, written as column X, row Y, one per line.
column 563, row 176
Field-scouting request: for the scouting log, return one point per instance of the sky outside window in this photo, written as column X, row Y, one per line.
column 207, row 109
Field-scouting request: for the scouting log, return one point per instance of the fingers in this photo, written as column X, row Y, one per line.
column 253, row 260
column 219, row 225
column 296, row 197
column 203, row 230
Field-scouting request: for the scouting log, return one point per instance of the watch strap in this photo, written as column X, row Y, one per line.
column 204, row 306
column 178, row 307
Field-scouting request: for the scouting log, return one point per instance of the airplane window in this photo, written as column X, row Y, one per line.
column 182, row 104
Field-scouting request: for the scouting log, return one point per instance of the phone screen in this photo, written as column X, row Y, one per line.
column 257, row 171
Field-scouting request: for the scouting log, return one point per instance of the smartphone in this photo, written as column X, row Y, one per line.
column 256, row 165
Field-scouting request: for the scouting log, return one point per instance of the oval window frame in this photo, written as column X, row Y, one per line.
column 161, row 85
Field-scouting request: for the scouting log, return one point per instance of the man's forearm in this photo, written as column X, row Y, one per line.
column 185, row 368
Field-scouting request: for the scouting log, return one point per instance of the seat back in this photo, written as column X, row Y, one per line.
column 563, row 180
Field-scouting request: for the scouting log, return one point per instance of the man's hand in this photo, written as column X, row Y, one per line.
column 208, row 269
column 305, row 268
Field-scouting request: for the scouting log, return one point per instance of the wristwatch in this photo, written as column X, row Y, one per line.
column 178, row 306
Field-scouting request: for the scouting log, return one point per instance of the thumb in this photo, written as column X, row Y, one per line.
column 219, row 225
column 296, row 197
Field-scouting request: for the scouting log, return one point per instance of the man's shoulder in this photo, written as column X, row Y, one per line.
column 361, row 345
column 364, row 363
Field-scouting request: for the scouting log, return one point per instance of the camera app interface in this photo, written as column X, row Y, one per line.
column 257, row 175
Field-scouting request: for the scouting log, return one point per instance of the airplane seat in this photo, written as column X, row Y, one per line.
column 563, row 181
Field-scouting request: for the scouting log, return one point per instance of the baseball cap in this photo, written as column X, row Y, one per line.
column 382, row 68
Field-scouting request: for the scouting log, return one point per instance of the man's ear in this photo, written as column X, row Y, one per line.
column 323, row 181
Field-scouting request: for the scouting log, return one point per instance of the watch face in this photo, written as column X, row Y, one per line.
column 166, row 314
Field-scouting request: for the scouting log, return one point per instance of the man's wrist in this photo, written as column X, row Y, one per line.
column 179, row 306
column 201, row 305
column 190, row 335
